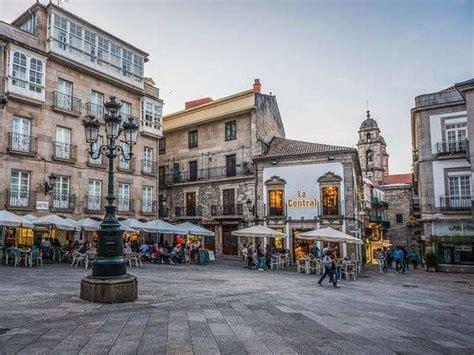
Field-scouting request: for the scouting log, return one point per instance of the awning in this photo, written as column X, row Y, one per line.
column 88, row 224
column 194, row 229
column 9, row 219
column 258, row 231
column 329, row 234
column 58, row 222
column 160, row 226
column 133, row 224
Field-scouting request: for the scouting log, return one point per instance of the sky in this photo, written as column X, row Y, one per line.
column 324, row 60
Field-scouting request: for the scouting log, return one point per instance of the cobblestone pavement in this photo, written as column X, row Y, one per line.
column 226, row 309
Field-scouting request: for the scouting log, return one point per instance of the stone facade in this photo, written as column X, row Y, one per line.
column 206, row 165
column 44, row 117
column 399, row 198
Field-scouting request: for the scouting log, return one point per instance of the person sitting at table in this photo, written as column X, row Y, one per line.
column 45, row 244
column 155, row 253
column 268, row 256
column 83, row 248
column 145, row 251
column 127, row 248
column 174, row 255
column 56, row 242
column 346, row 261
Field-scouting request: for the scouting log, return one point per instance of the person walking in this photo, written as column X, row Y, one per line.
column 388, row 259
column 398, row 258
column 413, row 257
column 245, row 253
column 328, row 264
column 380, row 256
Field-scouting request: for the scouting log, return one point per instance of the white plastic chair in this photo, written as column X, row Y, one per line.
column 349, row 272
column 301, row 265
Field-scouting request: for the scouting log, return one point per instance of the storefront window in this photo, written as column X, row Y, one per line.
column 330, row 200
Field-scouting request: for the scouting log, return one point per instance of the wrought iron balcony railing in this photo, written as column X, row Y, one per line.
column 227, row 210
column 214, row 173
column 94, row 204
column 62, row 202
column 64, row 151
column 66, row 103
column 456, row 147
column 455, row 203
column 22, row 144
column 148, row 167
column 20, row 199
column 188, row 211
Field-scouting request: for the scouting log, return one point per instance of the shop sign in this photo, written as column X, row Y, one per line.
column 302, row 201
column 453, row 228
column 42, row 205
column 467, row 248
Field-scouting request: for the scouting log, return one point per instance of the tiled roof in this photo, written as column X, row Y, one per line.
column 398, row 179
column 282, row 147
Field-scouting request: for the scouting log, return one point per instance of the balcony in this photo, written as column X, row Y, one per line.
column 149, row 167
column 449, row 149
column 100, row 162
column 94, row 109
column 66, row 104
column 94, row 204
column 22, row 144
column 227, row 210
column 20, row 200
column 148, row 208
column 64, row 152
column 378, row 203
column 126, row 166
column 63, row 202
column 455, row 203
column 276, row 212
column 215, row 173
column 188, row 211
column 125, row 206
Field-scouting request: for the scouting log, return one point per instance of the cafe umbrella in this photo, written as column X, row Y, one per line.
column 160, row 226
column 195, row 229
column 8, row 219
column 58, row 222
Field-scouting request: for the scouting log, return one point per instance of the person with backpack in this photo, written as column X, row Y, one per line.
column 328, row 264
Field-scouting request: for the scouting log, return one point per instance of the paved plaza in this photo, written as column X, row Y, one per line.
column 226, row 309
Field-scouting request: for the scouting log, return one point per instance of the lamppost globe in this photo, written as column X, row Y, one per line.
column 91, row 129
column 112, row 125
column 130, row 131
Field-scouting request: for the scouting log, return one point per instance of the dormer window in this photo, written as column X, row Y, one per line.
column 30, row 25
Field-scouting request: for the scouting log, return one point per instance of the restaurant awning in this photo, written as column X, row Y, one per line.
column 58, row 222
column 160, row 226
column 329, row 234
column 88, row 224
column 133, row 224
column 258, row 231
column 195, row 229
column 9, row 219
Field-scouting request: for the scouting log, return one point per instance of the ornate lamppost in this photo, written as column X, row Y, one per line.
column 109, row 282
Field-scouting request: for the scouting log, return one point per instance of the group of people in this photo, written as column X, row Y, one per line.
column 257, row 257
column 166, row 253
column 398, row 259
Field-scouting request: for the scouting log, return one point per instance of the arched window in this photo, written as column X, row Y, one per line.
column 369, row 156
column 368, row 136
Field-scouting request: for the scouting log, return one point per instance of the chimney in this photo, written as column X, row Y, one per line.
column 257, row 87
column 198, row 102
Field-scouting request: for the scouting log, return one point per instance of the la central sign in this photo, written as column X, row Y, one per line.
column 302, row 201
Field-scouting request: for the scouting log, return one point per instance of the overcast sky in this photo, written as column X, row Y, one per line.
column 322, row 59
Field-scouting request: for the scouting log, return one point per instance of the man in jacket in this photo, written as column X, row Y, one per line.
column 328, row 264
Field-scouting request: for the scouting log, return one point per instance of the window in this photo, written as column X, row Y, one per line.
column 126, row 110
column 275, row 202
column 230, row 165
column 36, row 75
column 27, row 72
column 90, row 45
column 147, row 160
column 116, row 56
column 95, row 150
column 94, row 195
column 19, row 69
column 459, row 186
column 19, row 194
column 124, row 163
column 97, row 104
column 176, row 173
column 126, row 62
column 30, row 24
column 192, row 139
column 330, row 200
column 228, row 202
column 151, row 114
column 21, row 134
column 103, row 51
column 162, row 145
column 75, row 38
column 193, row 170
column 147, row 196
column 368, row 137
column 230, row 131
column 123, row 204
column 62, row 145
column 369, row 157
column 399, row 218
column 455, row 135
column 61, row 196
column 60, row 31
column 64, row 95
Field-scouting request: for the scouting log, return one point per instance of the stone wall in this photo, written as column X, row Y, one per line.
column 399, row 200
column 266, row 121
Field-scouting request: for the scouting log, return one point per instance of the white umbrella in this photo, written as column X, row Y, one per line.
column 88, row 224
column 9, row 219
column 29, row 217
column 329, row 234
column 257, row 231
column 133, row 224
column 52, row 219
column 160, row 226
column 194, row 229
column 126, row 228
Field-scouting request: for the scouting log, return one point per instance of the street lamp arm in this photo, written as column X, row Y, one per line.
column 119, row 151
column 95, row 155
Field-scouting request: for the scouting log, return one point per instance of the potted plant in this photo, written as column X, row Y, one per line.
column 431, row 261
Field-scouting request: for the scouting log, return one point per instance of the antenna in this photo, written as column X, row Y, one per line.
column 367, row 105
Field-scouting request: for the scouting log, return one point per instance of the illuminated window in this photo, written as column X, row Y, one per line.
column 330, row 200
column 275, row 202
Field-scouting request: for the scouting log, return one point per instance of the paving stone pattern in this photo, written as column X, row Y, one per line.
column 225, row 309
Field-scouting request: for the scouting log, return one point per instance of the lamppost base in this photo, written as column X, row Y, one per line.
column 109, row 290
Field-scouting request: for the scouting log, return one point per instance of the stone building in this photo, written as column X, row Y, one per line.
column 303, row 186
column 206, row 172
column 442, row 154
column 372, row 151
column 56, row 68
